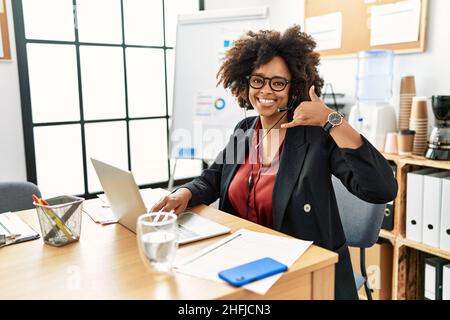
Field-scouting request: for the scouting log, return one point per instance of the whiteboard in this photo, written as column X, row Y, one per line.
column 204, row 115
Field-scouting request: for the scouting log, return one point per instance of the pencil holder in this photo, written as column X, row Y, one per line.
column 60, row 220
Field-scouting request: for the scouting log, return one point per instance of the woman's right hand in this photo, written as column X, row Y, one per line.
column 176, row 201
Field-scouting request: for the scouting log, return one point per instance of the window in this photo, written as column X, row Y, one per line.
column 96, row 81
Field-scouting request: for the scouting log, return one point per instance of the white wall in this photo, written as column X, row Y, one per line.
column 282, row 13
column 12, row 154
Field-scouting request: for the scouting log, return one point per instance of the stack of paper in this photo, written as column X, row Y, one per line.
column 99, row 212
column 15, row 230
column 241, row 247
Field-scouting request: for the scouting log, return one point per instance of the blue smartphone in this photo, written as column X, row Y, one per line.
column 252, row 271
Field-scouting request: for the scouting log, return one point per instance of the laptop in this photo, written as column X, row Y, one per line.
column 127, row 204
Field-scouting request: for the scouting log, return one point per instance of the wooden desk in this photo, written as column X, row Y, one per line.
column 105, row 264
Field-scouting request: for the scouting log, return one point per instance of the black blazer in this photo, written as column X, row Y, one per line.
column 303, row 199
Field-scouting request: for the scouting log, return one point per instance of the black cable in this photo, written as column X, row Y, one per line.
column 262, row 139
column 251, row 179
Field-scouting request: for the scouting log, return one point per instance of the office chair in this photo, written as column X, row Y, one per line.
column 362, row 223
column 16, row 196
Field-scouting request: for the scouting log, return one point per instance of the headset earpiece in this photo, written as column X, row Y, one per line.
column 293, row 102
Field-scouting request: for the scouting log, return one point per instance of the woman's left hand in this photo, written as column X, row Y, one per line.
column 310, row 113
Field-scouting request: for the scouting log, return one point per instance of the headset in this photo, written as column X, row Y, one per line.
column 293, row 102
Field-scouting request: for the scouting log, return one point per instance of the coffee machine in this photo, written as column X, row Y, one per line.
column 439, row 143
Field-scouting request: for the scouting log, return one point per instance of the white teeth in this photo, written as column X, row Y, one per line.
column 266, row 101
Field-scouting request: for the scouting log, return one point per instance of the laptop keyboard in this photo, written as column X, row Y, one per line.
column 184, row 233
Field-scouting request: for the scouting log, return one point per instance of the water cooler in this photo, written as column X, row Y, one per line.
column 373, row 115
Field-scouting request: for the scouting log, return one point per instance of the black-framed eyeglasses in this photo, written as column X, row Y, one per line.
column 275, row 83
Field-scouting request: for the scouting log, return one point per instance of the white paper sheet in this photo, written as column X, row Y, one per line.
column 241, row 247
column 395, row 23
column 326, row 30
column 99, row 212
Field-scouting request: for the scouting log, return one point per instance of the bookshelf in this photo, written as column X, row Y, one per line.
column 424, row 248
column 388, row 235
column 408, row 255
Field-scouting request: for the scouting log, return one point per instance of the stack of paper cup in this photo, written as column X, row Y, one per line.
column 419, row 123
column 407, row 92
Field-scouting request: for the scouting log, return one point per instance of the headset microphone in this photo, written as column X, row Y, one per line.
column 292, row 105
column 284, row 109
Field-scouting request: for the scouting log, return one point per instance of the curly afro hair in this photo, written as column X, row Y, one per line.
column 257, row 48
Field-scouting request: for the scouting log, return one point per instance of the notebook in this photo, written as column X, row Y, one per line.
column 14, row 230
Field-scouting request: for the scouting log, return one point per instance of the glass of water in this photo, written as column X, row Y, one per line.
column 157, row 240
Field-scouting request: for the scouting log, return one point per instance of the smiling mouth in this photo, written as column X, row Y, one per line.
column 266, row 102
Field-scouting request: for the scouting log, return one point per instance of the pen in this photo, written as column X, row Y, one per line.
column 212, row 249
column 6, row 240
column 64, row 218
column 13, row 236
column 53, row 217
